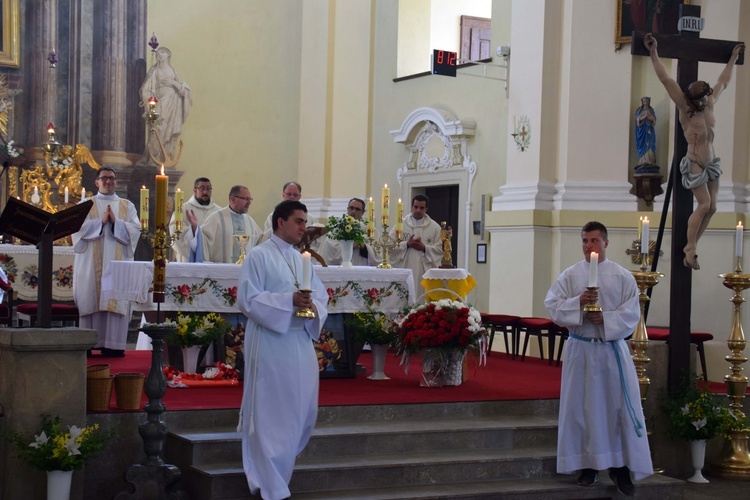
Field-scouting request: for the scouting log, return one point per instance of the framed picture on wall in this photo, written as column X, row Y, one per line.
column 643, row 15
column 9, row 38
column 481, row 253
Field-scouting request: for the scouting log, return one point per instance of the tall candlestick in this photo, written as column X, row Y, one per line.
column 399, row 218
column 178, row 205
column 144, row 208
column 160, row 214
column 67, row 194
column 386, row 205
column 306, row 271
column 738, row 240
column 593, row 266
column 644, row 237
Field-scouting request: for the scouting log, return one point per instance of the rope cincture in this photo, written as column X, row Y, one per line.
column 637, row 424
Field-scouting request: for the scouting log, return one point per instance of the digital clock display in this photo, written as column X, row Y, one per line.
column 443, row 63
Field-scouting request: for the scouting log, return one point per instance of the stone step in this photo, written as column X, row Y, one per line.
column 358, row 438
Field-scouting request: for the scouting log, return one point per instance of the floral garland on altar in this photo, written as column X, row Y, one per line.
column 439, row 331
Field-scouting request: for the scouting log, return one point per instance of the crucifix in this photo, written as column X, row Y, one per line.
column 689, row 50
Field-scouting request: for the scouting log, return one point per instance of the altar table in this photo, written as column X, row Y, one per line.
column 21, row 263
column 213, row 287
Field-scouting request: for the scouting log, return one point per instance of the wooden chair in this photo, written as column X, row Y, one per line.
column 539, row 328
column 60, row 312
column 505, row 324
column 563, row 334
column 697, row 338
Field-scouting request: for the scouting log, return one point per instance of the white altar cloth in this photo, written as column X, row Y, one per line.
column 213, row 287
column 21, row 263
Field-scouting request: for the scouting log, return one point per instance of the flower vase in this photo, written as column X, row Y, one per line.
column 453, row 372
column 698, row 454
column 190, row 358
column 347, row 250
column 431, row 373
column 379, row 352
column 58, row 484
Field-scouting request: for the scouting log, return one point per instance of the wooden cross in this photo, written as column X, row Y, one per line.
column 688, row 49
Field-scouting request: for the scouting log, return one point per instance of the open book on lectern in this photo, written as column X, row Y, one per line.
column 29, row 223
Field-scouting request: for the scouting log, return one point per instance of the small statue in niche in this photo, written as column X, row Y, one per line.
column 446, row 233
column 645, row 138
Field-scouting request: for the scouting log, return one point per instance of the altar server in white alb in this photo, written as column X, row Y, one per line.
column 280, row 399
column 423, row 249
column 217, row 233
column 110, row 232
column 601, row 423
column 195, row 212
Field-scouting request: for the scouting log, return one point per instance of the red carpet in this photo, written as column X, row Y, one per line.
column 501, row 379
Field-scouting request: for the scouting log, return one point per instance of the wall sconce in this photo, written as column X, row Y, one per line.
column 522, row 133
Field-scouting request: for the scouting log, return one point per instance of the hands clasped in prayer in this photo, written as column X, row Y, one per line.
column 415, row 242
column 108, row 216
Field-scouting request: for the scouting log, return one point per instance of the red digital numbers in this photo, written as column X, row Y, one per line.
column 444, row 57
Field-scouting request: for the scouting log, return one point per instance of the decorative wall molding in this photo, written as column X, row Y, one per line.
column 601, row 196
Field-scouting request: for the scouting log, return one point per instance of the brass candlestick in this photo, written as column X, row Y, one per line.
column 636, row 256
column 385, row 244
column 592, row 307
column 160, row 240
column 305, row 312
column 734, row 460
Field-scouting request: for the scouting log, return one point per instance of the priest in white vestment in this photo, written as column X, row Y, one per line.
column 280, row 397
column 291, row 191
column 195, row 211
column 217, row 233
column 423, row 249
column 601, row 423
column 110, row 232
column 330, row 250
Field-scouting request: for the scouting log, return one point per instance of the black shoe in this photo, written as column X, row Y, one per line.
column 588, row 477
column 621, row 477
column 113, row 353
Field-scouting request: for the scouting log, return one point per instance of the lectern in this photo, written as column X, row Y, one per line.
column 41, row 228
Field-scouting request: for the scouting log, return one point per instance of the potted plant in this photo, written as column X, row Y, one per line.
column 695, row 415
column 194, row 334
column 376, row 329
column 59, row 452
column 348, row 231
column 442, row 332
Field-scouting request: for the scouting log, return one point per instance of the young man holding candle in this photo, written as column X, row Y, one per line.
column 601, row 423
column 195, row 211
column 110, row 232
column 280, row 398
column 423, row 249
column 217, row 232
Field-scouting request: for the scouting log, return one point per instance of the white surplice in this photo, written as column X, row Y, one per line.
column 601, row 421
column 280, row 398
column 95, row 246
column 416, row 260
column 218, row 236
column 186, row 242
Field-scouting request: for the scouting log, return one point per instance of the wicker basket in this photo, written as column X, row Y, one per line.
column 98, row 393
column 97, row 371
column 128, row 390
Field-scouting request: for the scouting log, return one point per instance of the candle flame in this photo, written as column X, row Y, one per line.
column 385, row 185
column 162, row 169
column 143, row 187
column 399, row 200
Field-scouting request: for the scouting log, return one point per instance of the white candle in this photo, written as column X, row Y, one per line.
column 593, row 266
column 66, row 195
column 738, row 240
column 644, row 237
column 83, row 193
column 306, row 271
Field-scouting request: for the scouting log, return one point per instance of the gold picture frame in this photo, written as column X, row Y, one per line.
column 624, row 24
column 10, row 36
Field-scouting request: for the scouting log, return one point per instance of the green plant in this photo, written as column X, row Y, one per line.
column 694, row 413
column 372, row 327
column 196, row 329
column 345, row 227
column 57, row 449
column 731, row 423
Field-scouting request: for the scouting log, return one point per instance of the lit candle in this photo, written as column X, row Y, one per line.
column 738, row 240
column 640, row 228
column 644, row 237
column 144, row 207
column 593, row 266
column 399, row 218
column 386, row 203
column 83, row 193
column 67, row 194
column 35, row 195
column 371, row 220
column 160, row 214
column 178, row 206
column 306, row 271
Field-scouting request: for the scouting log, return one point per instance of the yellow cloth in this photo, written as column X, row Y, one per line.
column 461, row 286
